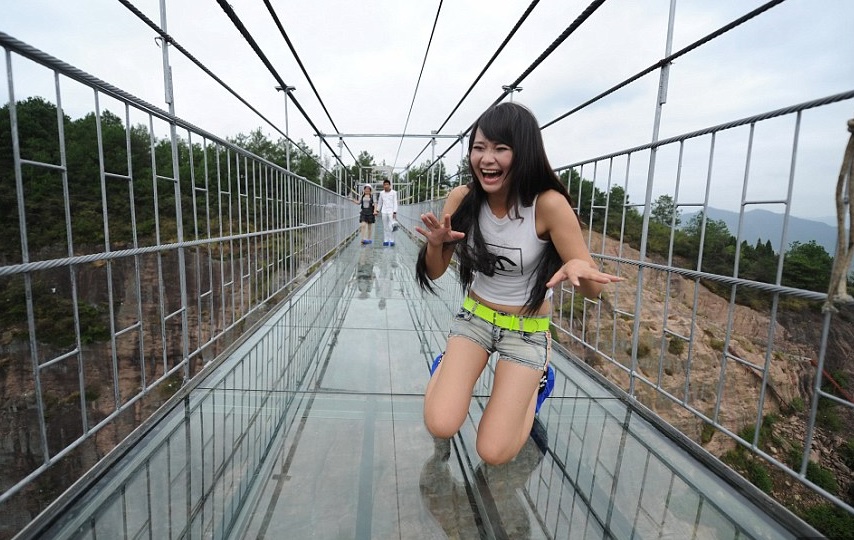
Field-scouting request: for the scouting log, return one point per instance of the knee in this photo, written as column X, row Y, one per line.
column 493, row 452
column 441, row 428
column 441, row 421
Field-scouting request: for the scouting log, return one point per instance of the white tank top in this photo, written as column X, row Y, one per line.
column 519, row 251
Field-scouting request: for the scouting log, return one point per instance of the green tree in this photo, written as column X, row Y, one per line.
column 581, row 191
column 664, row 211
column 759, row 262
column 807, row 266
column 38, row 137
column 718, row 245
column 463, row 173
column 361, row 170
column 304, row 162
column 258, row 143
column 420, row 178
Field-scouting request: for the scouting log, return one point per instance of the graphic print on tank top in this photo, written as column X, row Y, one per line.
column 508, row 260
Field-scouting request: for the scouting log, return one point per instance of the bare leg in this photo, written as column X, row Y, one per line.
column 448, row 394
column 509, row 414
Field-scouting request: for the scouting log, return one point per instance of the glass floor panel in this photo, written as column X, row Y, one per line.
column 312, row 428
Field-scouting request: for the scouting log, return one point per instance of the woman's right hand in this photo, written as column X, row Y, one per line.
column 437, row 232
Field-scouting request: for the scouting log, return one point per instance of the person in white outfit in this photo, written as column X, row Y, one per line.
column 387, row 205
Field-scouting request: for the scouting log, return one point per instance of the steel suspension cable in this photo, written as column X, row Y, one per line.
column 722, row 30
column 588, row 11
column 664, row 61
column 492, row 59
column 226, row 7
column 418, row 82
column 482, row 72
column 304, row 71
column 169, row 39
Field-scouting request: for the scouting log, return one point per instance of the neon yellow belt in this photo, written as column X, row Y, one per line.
column 516, row 323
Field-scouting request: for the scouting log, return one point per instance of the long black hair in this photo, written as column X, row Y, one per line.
column 530, row 174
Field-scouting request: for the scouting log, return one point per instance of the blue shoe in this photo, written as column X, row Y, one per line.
column 547, row 384
column 436, row 363
column 369, row 241
column 391, row 243
column 365, row 242
column 385, row 243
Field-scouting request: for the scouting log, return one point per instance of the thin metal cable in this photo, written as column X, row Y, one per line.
column 302, row 67
column 717, row 33
column 492, row 59
column 226, row 7
column 417, row 84
column 106, row 88
column 581, row 19
column 169, row 39
column 835, row 98
column 588, row 11
column 481, row 74
column 667, row 60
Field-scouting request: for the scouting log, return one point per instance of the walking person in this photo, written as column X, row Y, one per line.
column 516, row 236
column 387, row 204
column 367, row 214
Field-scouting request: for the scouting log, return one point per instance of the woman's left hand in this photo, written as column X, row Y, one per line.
column 577, row 269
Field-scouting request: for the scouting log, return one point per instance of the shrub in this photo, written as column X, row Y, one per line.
column 797, row 405
column 823, row 478
column 827, row 415
column 758, row 476
column 169, row 386
column 706, row 433
column 765, row 434
column 574, row 304
column 737, row 459
column 794, row 457
column 847, row 453
column 831, row 521
column 676, row 346
column 841, row 378
column 643, row 349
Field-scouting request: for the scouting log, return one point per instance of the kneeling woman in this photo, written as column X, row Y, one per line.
column 516, row 236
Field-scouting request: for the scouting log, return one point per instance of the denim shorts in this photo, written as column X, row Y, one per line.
column 530, row 349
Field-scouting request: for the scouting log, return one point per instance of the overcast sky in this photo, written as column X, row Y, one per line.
column 364, row 57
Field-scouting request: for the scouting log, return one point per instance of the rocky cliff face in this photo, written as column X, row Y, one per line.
column 123, row 382
column 719, row 379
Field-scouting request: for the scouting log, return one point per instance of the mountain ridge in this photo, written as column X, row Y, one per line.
column 765, row 225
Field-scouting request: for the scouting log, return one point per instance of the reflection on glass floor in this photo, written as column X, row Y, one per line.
column 312, row 429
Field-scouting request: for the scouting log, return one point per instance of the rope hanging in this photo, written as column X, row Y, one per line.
column 838, row 288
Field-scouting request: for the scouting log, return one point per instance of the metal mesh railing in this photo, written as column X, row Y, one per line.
column 138, row 258
column 717, row 349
